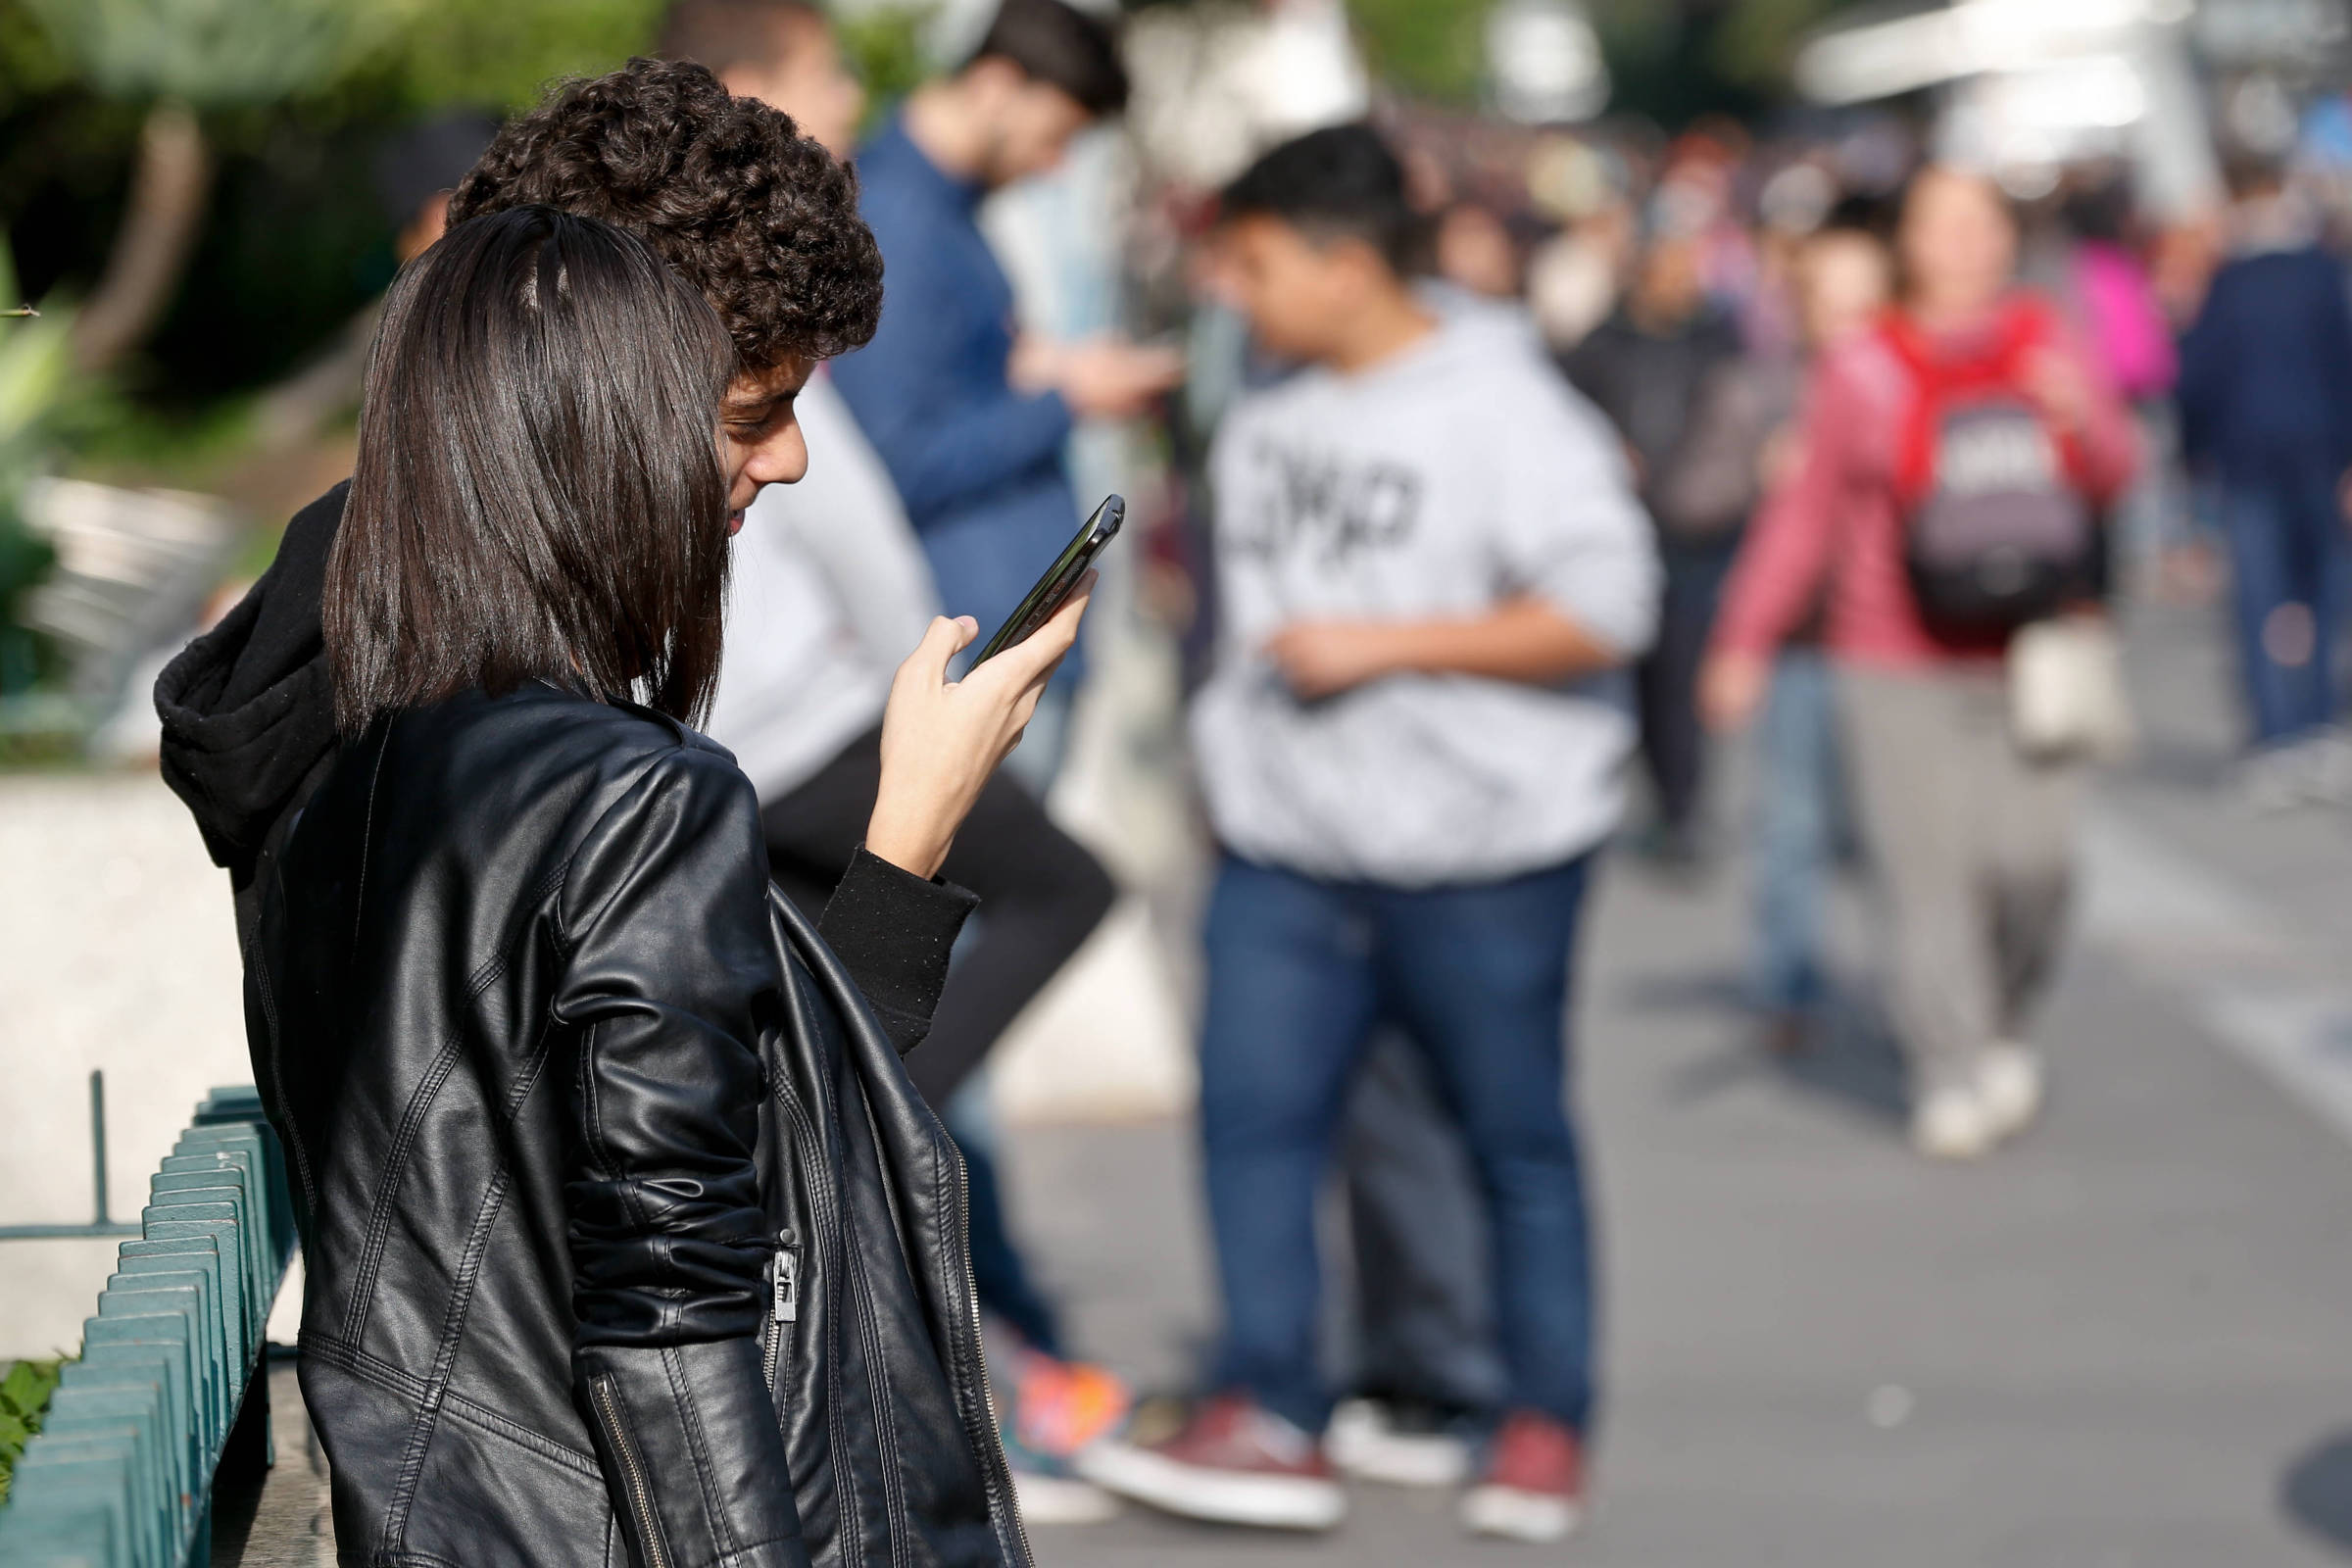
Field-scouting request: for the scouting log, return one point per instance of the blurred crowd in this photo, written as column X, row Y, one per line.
column 1490, row 475
column 1898, row 438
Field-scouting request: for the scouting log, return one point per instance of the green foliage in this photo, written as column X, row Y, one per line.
column 1435, row 51
column 884, row 47
column 1670, row 58
column 214, row 53
column 29, row 62
column 499, row 54
column 37, row 388
column 23, row 1394
column 1757, row 40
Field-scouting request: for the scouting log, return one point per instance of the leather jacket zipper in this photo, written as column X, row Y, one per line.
column 633, row 1481
column 823, row 1233
column 991, row 1441
column 784, row 1290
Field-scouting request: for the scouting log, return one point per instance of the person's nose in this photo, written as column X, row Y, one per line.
column 782, row 459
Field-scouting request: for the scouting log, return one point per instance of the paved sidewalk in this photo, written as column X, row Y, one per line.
column 2127, row 1342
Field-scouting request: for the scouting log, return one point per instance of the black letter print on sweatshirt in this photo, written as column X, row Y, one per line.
column 1319, row 501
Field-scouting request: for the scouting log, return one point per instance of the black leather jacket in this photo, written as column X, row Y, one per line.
column 626, row 1238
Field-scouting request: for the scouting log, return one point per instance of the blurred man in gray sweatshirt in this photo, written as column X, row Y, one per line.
column 1433, row 570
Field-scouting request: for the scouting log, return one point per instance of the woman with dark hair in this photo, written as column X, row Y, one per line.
column 627, row 1237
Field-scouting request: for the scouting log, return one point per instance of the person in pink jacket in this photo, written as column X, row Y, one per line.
column 1971, row 838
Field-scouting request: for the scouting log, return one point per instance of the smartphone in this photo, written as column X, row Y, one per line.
column 1052, row 590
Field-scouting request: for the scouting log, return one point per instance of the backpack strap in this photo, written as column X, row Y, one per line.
column 1915, row 435
column 2026, row 325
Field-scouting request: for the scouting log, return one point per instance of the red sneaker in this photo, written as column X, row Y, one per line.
column 1533, row 1487
column 1234, row 1462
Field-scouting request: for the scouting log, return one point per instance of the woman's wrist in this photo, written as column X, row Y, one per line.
column 915, row 847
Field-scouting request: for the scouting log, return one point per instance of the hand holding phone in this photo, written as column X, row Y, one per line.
column 1052, row 590
column 942, row 738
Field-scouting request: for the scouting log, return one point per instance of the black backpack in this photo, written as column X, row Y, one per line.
column 1998, row 530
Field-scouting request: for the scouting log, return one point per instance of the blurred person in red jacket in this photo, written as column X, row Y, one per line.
column 1951, row 463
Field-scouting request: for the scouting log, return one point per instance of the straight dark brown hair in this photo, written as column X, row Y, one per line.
column 538, row 492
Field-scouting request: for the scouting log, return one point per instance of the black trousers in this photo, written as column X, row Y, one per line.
column 1666, row 680
column 1041, row 895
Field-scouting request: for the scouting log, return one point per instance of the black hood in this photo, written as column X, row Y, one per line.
column 248, row 716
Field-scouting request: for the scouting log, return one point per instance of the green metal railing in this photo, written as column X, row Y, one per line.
column 167, row 1394
column 99, row 1224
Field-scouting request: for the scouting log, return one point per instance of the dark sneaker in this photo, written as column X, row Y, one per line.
column 1233, row 1461
column 1532, row 1488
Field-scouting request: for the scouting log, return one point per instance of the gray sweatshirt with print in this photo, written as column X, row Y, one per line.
column 1460, row 474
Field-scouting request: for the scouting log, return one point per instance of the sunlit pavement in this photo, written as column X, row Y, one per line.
column 2126, row 1340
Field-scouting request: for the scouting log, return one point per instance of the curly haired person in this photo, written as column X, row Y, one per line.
column 525, row 1007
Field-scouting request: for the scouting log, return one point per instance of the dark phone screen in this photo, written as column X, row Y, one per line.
column 1052, row 590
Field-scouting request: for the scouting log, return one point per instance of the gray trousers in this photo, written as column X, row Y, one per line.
column 1973, row 847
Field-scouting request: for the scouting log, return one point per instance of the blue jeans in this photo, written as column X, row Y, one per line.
column 1798, row 806
column 1424, row 1271
column 1300, row 973
column 2288, row 548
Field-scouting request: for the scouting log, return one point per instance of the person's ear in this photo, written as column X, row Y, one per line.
column 1366, row 271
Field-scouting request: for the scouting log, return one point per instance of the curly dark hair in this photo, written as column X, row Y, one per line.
column 758, row 217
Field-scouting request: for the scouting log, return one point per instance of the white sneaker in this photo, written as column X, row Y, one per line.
column 2009, row 1086
column 1952, row 1123
column 2327, row 779
column 1365, row 1439
column 2275, row 779
column 1052, row 1500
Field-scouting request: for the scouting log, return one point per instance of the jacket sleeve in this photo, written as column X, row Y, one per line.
column 1570, row 529
column 664, row 921
column 2107, row 444
column 2205, row 353
column 894, row 932
column 1776, row 577
column 2333, row 331
column 943, row 447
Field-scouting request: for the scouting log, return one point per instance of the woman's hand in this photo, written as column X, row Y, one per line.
column 942, row 738
column 1731, row 689
column 2057, row 383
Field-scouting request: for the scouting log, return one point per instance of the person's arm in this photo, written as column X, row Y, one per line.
column 941, row 447
column 662, row 917
column 1777, row 573
column 2334, row 341
column 1777, row 576
column 890, row 919
column 1522, row 639
column 2076, row 395
column 1580, row 576
column 894, row 931
column 2206, row 351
